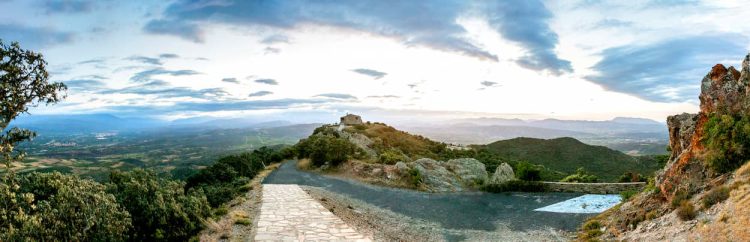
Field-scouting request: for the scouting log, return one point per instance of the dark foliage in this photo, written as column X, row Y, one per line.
column 727, row 141
column 528, row 172
column 714, row 196
column 515, row 186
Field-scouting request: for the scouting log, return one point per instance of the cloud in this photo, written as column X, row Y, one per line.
column 436, row 26
column 260, row 94
column 488, row 83
column 275, row 39
column 284, row 104
column 525, row 22
column 145, row 60
column 168, row 56
column 162, row 89
column 666, row 71
column 67, row 6
column 337, row 96
column 383, row 96
column 145, row 76
column 267, row 81
column 33, row 37
column 231, row 80
column 611, row 23
column 271, row 50
column 93, row 61
column 185, row 30
column 369, row 72
column 84, row 84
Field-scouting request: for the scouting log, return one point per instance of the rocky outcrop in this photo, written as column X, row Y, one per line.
column 723, row 91
column 469, row 170
column 435, row 177
column 503, row 173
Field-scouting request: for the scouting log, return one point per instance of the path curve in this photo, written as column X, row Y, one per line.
column 288, row 213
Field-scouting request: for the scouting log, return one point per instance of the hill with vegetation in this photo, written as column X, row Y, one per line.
column 563, row 156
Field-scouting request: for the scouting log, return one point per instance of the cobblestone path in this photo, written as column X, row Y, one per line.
column 288, row 213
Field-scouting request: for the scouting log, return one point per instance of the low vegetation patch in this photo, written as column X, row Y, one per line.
column 515, row 186
column 626, row 195
column 727, row 141
column 686, row 211
column 580, row 176
column 243, row 221
column 590, row 230
column 415, row 177
column 714, row 196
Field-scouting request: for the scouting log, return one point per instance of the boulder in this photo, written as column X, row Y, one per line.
column 469, row 170
column 502, row 174
column 435, row 178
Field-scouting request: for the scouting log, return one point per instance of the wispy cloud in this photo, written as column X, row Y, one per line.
column 523, row 22
column 145, row 76
column 145, row 60
column 231, row 80
column 267, row 81
column 665, row 71
column 369, row 72
column 168, row 56
column 67, row 6
column 337, row 96
column 260, row 94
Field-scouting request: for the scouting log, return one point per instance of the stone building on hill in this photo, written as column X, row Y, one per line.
column 351, row 119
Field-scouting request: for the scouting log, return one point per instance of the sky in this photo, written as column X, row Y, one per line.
column 316, row 60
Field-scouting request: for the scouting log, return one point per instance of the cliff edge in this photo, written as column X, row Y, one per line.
column 703, row 192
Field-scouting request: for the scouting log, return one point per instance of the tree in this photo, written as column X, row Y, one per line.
column 23, row 84
column 160, row 208
column 528, row 172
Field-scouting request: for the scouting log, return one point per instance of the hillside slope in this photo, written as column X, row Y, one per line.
column 568, row 154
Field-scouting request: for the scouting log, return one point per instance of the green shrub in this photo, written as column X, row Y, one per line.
column 159, row 207
column 528, row 172
column 415, row 177
column 580, row 176
column 57, row 207
column 626, row 195
column 680, row 196
column 392, row 156
column 727, row 138
column 715, row 196
column 686, row 211
column 326, row 148
column 590, row 230
column 243, row 221
column 515, row 186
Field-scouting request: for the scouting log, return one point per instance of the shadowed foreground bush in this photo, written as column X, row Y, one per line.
column 516, row 186
column 57, row 207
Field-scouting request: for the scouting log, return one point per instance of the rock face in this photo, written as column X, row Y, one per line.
column 469, row 170
column 502, row 174
column 435, row 177
column 723, row 91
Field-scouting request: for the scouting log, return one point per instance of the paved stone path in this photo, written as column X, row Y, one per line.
column 288, row 213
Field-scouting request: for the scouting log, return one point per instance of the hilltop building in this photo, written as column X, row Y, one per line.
column 351, row 119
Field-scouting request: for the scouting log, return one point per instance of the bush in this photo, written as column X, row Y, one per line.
column 515, row 186
column 57, row 207
column 326, row 148
column 392, row 156
column 415, row 177
column 626, row 195
column 727, row 138
column 580, row 176
column 680, row 196
column 715, row 196
column 243, row 221
column 686, row 211
column 159, row 207
column 590, row 230
column 528, row 172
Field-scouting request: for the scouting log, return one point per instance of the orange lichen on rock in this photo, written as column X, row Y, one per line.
column 718, row 72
